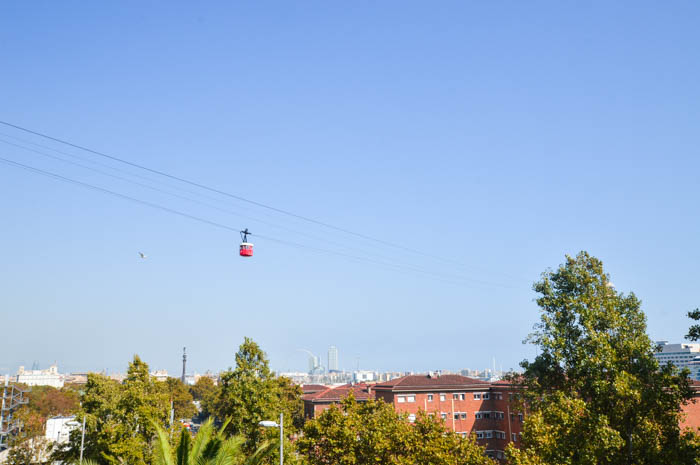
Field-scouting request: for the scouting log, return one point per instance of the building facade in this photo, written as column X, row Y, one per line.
column 58, row 428
column 49, row 377
column 681, row 355
column 465, row 405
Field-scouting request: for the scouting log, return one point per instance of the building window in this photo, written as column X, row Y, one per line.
column 463, row 415
column 477, row 395
column 455, row 396
column 411, row 398
column 401, row 399
column 412, row 418
column 487, row 414
column 514, row 437
column 442, row 397
column 456, row 415
column 500, row 434
column 430, row 397
column 486, row 395
column 498, row 396
column 498, row 415
column 488, row 434
column 443, row 415
column 461, row 397
column 478, row 415
column 464, row 435
column 520, row 417
column 480, row 435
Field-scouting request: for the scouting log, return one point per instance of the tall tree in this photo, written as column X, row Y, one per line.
column 119, row 418
column 595, row 392
column 372, row 432
column 251, row 393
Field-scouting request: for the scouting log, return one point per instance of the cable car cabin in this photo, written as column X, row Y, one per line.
column 246, row 249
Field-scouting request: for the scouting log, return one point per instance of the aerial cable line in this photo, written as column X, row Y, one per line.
column 453, row 279
column 234, row 196
column 200, row 202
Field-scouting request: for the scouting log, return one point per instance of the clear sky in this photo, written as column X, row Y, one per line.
column 500, row 135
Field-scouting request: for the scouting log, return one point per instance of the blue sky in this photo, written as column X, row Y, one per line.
column 500, row 135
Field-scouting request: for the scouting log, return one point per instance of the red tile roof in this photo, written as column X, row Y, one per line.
column 311, row 388
column 336, row 394
column 417, row 382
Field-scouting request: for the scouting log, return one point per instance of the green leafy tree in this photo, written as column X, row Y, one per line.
column 206, row 392
column 181, row 398
column 208, row 447
column 694, row 331
column 251, row 393
column 119, row 418
column 595, row 392
column 372, row 432
column 203, row 388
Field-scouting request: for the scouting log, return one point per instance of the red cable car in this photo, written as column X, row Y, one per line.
column 246, row 249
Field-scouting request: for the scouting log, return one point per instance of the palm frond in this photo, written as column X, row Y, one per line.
column 164, row 454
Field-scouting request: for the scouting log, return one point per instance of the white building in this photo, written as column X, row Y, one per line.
column 362, row 376
column 58, row 428
column 681, row 355
column 50, row 377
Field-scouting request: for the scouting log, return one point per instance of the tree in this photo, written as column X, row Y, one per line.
column 119, row 418
column 694, row 331
column 203, row 388
column 181, row 398
column 595, row 392
column 34, row 450
column 251, row 393
column 208, row 447
column 372, row 432
column 206, row 392
column 45, row 402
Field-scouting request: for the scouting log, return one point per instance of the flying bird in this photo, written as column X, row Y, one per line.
column 142, row 255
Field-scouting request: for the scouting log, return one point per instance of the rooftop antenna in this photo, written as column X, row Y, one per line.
column 184, row 363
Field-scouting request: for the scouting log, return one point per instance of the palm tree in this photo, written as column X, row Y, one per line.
column 209, row 447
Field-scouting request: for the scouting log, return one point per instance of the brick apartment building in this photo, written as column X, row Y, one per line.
column 466, row 405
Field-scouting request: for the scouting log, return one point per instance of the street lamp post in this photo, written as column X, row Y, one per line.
column 280, row 425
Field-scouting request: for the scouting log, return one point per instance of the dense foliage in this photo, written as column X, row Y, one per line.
column 372, row 432
column 251, row 393
column 44, row 403
column 119, row 418
column 595, row 393
column 179, row 394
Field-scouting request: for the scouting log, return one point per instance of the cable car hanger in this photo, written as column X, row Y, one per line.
column 246, row 249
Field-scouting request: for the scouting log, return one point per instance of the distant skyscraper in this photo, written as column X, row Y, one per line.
column 332, row 358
